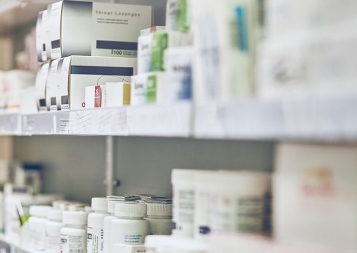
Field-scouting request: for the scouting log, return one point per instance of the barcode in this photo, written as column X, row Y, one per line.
column 76, row 251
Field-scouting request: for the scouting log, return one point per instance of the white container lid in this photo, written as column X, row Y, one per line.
column 74, row 218
column 130, row 209
column 99, row 204
column 111, row 205
column 55, row 215
column 182, row 175
column 159, row 209
column 39, row 211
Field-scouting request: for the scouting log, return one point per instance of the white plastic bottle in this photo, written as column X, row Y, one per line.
column 53, row 231
column 130, row 227
column 160, row 217
column 107, row 225
column 95, row 227
column 183, row 202
column 36, row 226
column 74, row 233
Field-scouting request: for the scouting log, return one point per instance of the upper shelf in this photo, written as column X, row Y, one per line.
column 15, row 13
column 306, row 119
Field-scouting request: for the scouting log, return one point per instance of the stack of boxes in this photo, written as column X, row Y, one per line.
column 75, row 57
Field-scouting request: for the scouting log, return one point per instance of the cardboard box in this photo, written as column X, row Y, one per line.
column 41, row 80
column 52, row 86
column 78, row 72
column 225, row 43
column 118, row 94
column 315, row 195
column 155, row 89
column 138, row 89
column 97, row 29
column 41, row 36
column 178, row 15
column 178, row 66
column 93, row 96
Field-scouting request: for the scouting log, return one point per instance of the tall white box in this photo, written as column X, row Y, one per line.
column 95, row 29
column 315, row 195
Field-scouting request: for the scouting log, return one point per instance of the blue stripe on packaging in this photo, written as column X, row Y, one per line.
column 120, row 45
column 241, row 16
column 99, row 70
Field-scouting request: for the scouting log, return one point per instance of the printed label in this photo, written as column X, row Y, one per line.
column 73, row 243
column 183, row 202
column 133, row 238
column 95, row 240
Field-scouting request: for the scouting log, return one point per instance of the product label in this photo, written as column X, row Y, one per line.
column 151, row 92
column 183, row 211
column 159, row 45
column 73, row 243
column 95, row 240
column 55, row 30
column 138, row 90
column 64, row 83
column 133, row 238
column 53, row 243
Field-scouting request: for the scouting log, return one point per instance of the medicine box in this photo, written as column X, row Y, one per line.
column 315, row 195
column 118, row 94
column 93, row 28
column 138, row 89
column 40, row 85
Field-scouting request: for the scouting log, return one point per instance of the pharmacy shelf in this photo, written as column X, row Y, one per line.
column 14, row 13
column 150, row 120
column 306, row 119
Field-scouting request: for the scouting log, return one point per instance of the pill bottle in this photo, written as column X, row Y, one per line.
column 130, row 227
column 183, row 202
column 107, row 224
column 240, row 203
column 36, row 226
column 95, row 228
column 160, row 217
column 53, row 231
column 203, row 186
column 74, row 232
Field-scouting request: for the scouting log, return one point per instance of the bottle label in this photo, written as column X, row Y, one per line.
column 183, row 211
column 53, row 243
column 133, row 238
column 95, row 240
column 73, row 243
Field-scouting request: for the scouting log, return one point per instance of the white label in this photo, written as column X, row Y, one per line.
column 128, row 238
column 95, row 240
column 73, row 243
column 53, row 243
column 183, row 211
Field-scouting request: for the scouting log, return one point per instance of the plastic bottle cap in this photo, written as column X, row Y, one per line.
column 130, row 209
column 159, row 209
column 55, row 215
column 39, row 211
column 185, row 175
column 74, row 218
column 99, row 204
column 111, row 205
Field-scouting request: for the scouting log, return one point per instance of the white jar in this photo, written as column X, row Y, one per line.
column 36, row 226
column 74, row 233
column 240, row 202
column 204, row 180
column 107, row 225
column 95, row 227
column 130, row 227
column 183, row 202
column 160, row 218
column 53, row 231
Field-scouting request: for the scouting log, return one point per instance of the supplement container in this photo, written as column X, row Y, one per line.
column 95, row 228
column 160, row 218
column 53, row 231
column 204, row 180
column 240, row 202
column 74, row 233
column 183, row 202
column 130, row 227
column 36, row 226
column 107, row 224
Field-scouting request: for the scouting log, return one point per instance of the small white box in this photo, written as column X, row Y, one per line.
column 93, row 96
column 315, row 195
column 118, row 94
column 41, row 80
column 144, row 54
column 138, row 89
column 97, row 29
column 78, row 72
column 41, row 36
column 156, row 88
column 52, row 86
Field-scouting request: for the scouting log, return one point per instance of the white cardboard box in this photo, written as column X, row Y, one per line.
column 117, row 94
column 41, row 36
column 41, row 80
column 78, row 72
column 93, row 96
column 52, row 85
column 315, row 195
column 138, row 89
column 97, row 29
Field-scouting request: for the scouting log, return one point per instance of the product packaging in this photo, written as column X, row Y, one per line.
column 68, row 32
column 118, row 94
column 138, row 89
column 178, row 15
column 41, row 36
column 315, row 195
column 53, row 86
column 156, row 88
column 41, row 80
column 93, row 96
